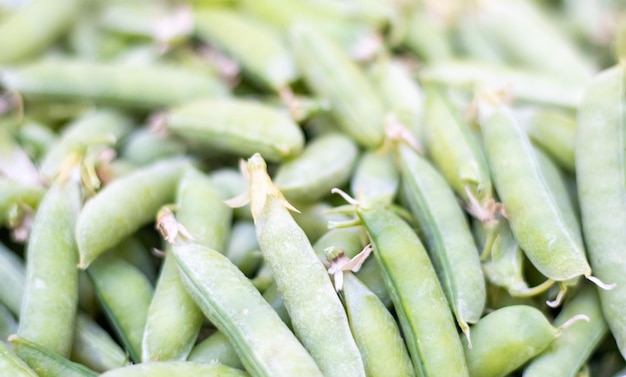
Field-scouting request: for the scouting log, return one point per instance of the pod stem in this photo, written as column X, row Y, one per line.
column 559, row 297
column 529, row 292
column 576, row 318
column 600, row 283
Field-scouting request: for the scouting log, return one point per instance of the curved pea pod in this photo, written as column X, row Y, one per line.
column 326, row 162
column 125, row 294
column 536, row 220
column 554, row 132
column 330, row 74
column 448, row 238
column 243, row 248
column 601, row 188
column 38, row 24
column 567, row 354
column 50, row 301
column 526, row 86
column 427, row 38
column 128, row 85
column 259, row 49
column 240, row 127
column 8, row 323
column 401, row 93
column 176, row 368
column 413, row 285
column 11, row 365
column 94, row 348
column 143, row 147
column 455, row 151
column 99, row 127
column 263, row 342
column 125, row 205
column 13, row 276
column 376, row 179
column 47, row 363
column 135, row 252
column 375, row 331
column 215, row 348
column 230, row 183
column 301, row 278
column 506, row 338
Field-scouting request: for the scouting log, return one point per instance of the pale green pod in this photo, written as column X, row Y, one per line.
column 302, row 279
column 231, row 183
column 99, row 127
column 47, row 363
column 375, row 332
column 215, row 349
column 94, row 348
column 259, row 49
column 524, row 85
column 125, row 294
column 601, row 187
column 243, row 248
column 330, row 74
column 143, row 147
column 127, row 85
column 375, row 179
column 134, row 251
column 567, row 354
column 8, row 323
column 38, row 24
column 446, row 234
column 473, row 42
column 505, row 339
column 36, row 139
column 537, row 222
column 427, row 38
column 11, row 365
column 13, row 277
column 50, row 301
column 125, row 205
column 265, row 345
column 237, row 126
column 175, row 368
column 325, row 163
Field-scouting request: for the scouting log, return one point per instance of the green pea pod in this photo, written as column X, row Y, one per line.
column 50, row 300
column 240, row 127
column 332, row 75
column 127, row 85
column 567, row 354
column 143, row 147
column 304, row 285
column 326, row 162
column 455, row 150
column 11, row 365
column 276, row 300
column 536, row 220
column 448, row 238
column 263, row 342
column 176, row 368
column 601, row 188
column 47, row 363
column 376, row 179
column 427, row 38
column 101, row 127
column 413, row 285
column 125, row 294
column 375, row 331
column 8, row 324
column 124, row 206
column 474, row 43
column 36, row 139
column 258, row 48
column 230, row 183
column 505, row 339
column 135, row 252
column 13, row 276
column 243, row 248
column 38, row 25
column 526, row 86
column 215, row 348
column 94, row 348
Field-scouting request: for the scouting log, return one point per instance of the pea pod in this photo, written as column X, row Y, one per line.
column 175, row 368
column 11, row 365
column 50, row 300
column 215, row 348
column 94, row 348
column 13, row 276
column 8, row 324
column 375, row 179
column 240, row 127
column 601, row 188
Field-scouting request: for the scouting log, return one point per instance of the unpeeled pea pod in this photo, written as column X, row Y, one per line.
column 260, row 50
column 127, row 85
column 332, row 75
column 243, row 248
column 11, row 365
column 265, row 345
column 326, row 162
column 8, row 324
column 536, row 220
column 215, row 348
column 601, row 187
column 125, row 205
column 38, row 24
column 413, row 285
column 448, row 238
column 175, row 368
column 301, row 278
column 94, row 348
column 50, row 300
column 375, row 179
column 13, row 276
column 240, row 127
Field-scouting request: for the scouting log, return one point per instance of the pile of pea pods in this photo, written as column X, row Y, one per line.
column 319, row 188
